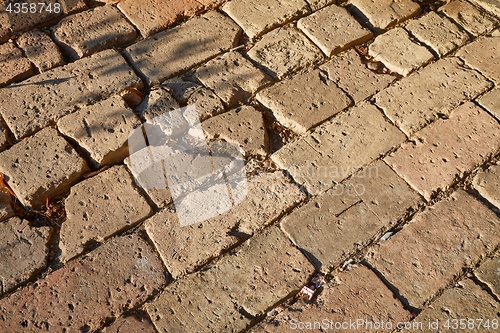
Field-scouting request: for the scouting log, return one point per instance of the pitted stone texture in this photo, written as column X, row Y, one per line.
column 135, row 323
column 14, row 66
column 487, row 183
column 491, row 101
column 185, row 248
column 338, row 148
column 437, row 245
column 383, row 14
column 436, row 89
column 156, row 103
column 180, row 88
column 468, row 17
column 4, row 135
column 484, row 55
column 284, row 51
column 233, row 78
column 492, row 6
column 333, row 30
column 447, row 150
column 4, row 23
column 42, row 166
column 354, row 77
column 318, row 4
column 99, row 207
column 101, row 130
column 23, row 251
column 41, row 50
column 207, row 103
column 43, row 99
column 398, row 52
column 259, row 16
column 181, row 48
column 6, row 210
column 94, row 30
column 112, row 279
column 439, row 33
column 489, row 273
column 304, row 101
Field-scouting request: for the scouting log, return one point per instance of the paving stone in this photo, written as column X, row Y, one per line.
column 181, row 48
column 318, row 4
column 42, row 166
column 439, row 33
column 284, row 51
column 156, row 103
column 250, row 279
column 4, row 24
column 211, row 3
column 489, row 272
column 491, row 6
column 438, row 88
column 6, row 210
column 181, row 88
column 185, row 248
column 384, row 14
column 354, row 77
column 260, row 16
column 41, row 50
column 488, row 184
column 468, row 17
column 23, row 251
column 233, row 78
column 41, row 100
column 398, row 53
column 304, row 101
column 14, row 66
column 447, row 150
column 333, row 30
column 491, row 102
column 207, row 103
column 112, row 279
column 4, row 135
column 131, row 324
column 98, row 208
column 423, row 257
column 338, row 148
column 483, row 55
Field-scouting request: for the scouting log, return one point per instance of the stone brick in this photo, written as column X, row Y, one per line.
column 284, row 51
column 134, row 323
column 156, row 103
column 488, row 273
column 23, row 251
column 42, row 166
column 4, row 24
column 260, row 16
column 491, row 102
column 447, row 150
column 349, row 72
column 82, row 295
column 181, row 48
column 181, row 88
column 94, row 30
column 483, row 54
column 439, row 33
column 468, row 17
column 211, row 3
column 304, row 101
column 44, row 98
column 384, row 14
column 491, row 6
column 207, row 103
column 41, row 50
column 487, row 183
column 333, row 30
column 185, row 248
column 6, row 210
column 98, row 208
column 318, row 4
column 101, row 130
column 233, row 78
column 4, row 135
column 436, row 89
column 14, row 66
column 398, row 53
column 338, row 148
column 437, row 245
column 261, row 272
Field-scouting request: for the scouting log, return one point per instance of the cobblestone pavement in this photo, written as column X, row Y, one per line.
column 370, row 132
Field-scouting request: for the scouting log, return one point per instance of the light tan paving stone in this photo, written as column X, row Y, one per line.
column 41, row 50
column 487, row 183
column 180, row 88
column 207, row 103
column 438, row 88
column 318, row 4
column 304, row 101
column 447, row 149
column 181, row 48
column 156, row 103
column 259, row 16
column 483, row 54
column 14, row 66
column 4, row 135
column 437, row 245
column 42, row 166
column 135, row 323
column 41, row 100
column 82, row 295
column 284, row 51
column 383, row 14
column 492, row 6
column 23, row 251
column 468, row 17
column 489, row 273
column 491, row 102
column 6, row 210
column 333, row 30
column 398, row 52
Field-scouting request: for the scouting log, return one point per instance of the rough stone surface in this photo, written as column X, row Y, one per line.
column 447, row 149
column 284, row 51
column 488, row 184
column 41, row 50
column 6, row 210
column 4, row 135
column 180, row 88
column 41, row 100
column 483, row 54
column 14, row 66
column 333, row 30
column 180, row 48
column 468, row 17
column 156, row 103
column 135, row 323
column 491, row 102
column 23, row 251
column 398, row 53
column 436, row 89
column 207, row 103
column 42, row 166
column 338, row 148
column 491, row 6
column 382, row 14
column 112, row 279
column 304, row 101
column 489, row 273
column 424, row 257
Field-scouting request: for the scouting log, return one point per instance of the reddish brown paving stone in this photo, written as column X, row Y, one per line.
column 135, row 323
column 487, row 183
column 14, row 66
column 483, row 54
column 41, row 50
column 489, row 273
column 491, row 101
column 384, row 14
column 468, row 17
